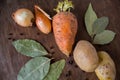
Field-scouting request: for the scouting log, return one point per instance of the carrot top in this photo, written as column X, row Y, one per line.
column 64, row 6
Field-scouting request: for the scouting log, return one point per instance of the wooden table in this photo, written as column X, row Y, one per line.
column 11, row 61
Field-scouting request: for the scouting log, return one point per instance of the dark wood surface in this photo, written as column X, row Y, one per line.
column 11, row 61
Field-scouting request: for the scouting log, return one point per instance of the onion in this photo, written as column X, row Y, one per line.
column 23, row 17
column 43, row 20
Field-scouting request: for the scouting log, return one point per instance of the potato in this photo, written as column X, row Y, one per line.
column 106, row 69
column 85, row 56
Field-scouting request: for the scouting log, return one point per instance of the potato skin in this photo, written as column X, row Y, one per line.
column 106, row 69
column 65, row 29
column 85, row 56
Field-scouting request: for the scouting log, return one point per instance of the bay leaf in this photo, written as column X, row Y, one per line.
column 90, row 17
column 35, row 69
column 104, row 37
column 29, row 47
column 100, row 24
column 55, row 70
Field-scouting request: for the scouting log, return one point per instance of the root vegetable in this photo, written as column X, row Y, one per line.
column 85, row 56
column 106, row 69
column 65, row 27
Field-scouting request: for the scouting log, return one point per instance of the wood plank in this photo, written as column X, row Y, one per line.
column 11, row 61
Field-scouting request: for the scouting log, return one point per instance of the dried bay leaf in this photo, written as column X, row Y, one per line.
column 35, row 69
column 55, row 70
column 96, row 27
column 104, row 37
column 29, row 47
column 100, row 24
column 90, row 17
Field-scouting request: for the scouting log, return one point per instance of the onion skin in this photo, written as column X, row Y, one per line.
column 42, row 20
column 23, row 17
column 85, row 56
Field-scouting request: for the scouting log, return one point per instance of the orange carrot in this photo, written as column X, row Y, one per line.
column 65, row 27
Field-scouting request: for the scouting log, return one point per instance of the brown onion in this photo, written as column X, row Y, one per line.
column 43, row 20
column 23, row 17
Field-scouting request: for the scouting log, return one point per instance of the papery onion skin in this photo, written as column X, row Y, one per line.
column 43, row 22
column 23, row 17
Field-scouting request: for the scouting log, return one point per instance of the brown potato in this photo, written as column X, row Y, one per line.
column 85, row 56
column 106, row 69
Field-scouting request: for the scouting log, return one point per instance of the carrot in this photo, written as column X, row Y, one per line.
column 64, row 27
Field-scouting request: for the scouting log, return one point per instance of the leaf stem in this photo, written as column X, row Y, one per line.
column 92, row 37
column 64, row 6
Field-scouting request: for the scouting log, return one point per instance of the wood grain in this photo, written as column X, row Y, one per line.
column 11, row 61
